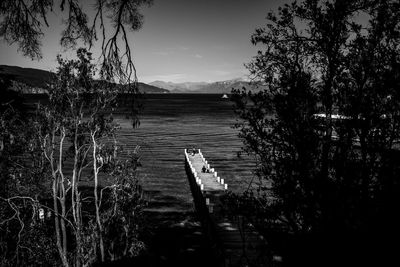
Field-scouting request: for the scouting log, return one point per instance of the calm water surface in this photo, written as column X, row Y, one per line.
column 168, row 124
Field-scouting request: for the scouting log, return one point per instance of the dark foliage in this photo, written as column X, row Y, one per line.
column 325, row 132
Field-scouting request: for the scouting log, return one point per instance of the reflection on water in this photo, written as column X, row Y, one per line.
column 168, row 124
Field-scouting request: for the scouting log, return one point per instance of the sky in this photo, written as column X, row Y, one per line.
column 180, row 41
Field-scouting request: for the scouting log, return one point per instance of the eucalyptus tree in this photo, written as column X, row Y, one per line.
column 73, row 144
column 80, row 112
column 78, row 117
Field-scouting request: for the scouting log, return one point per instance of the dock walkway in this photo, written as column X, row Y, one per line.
column 234, row 242
column 209, row 180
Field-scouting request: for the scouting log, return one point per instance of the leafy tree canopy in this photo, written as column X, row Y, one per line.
column 22, row 22
column 325, row 132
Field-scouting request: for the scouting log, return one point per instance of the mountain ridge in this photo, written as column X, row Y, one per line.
column 220, row 87
column 37, row 78
column 185, row 86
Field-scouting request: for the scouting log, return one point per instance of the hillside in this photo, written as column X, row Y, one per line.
column 40, row 78
column 150, row 89
column 31, row 77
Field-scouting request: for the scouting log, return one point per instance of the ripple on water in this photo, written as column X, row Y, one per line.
column 171, row 123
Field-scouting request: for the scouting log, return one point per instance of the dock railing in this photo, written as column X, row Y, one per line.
column 233, row 243
column 204, row 205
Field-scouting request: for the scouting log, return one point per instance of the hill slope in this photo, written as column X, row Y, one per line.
column 28, row 76
column 41, row 78
column 150, row 89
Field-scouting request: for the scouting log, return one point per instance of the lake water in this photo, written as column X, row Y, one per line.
column 168, row 124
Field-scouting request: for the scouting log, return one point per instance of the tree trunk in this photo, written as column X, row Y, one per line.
column 61, row 250
column 61, row 237
column 96, row 198
column 75, row 197
column 62, row 192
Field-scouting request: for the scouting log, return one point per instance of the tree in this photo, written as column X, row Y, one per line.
column 22, row 23
column 74, row 139
column 324, row 132
column 78, row 117
column 81, row 111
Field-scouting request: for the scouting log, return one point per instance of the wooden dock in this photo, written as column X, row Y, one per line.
column 233, row 242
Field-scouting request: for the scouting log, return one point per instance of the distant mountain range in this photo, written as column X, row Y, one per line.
column 179, row 87
column 37, row 78
column 222, row 87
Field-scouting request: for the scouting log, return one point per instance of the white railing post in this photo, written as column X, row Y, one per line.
column 197, row 177
column 211, row 209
